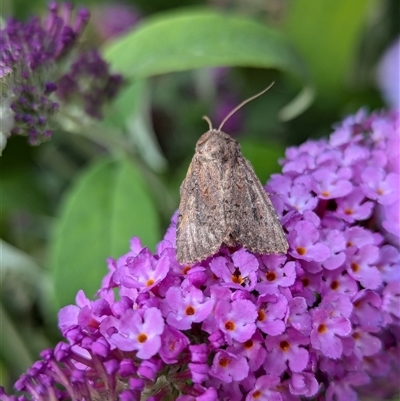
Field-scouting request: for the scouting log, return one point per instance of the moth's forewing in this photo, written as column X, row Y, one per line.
column 200, row 226
column 256, row 225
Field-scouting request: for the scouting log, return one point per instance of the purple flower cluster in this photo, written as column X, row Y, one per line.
column 90, row 83
column 322, row 322
column 33, row 59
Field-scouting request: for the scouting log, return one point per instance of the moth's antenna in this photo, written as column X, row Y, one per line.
column 209, row 122
column 241, row 105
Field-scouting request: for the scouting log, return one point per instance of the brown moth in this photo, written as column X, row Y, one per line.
column 223, row 202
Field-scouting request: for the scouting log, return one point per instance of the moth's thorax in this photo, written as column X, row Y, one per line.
column 215, row 144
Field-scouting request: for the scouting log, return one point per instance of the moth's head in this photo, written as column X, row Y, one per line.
column 214, row 144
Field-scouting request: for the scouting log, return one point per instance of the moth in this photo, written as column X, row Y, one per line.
column 223, row 202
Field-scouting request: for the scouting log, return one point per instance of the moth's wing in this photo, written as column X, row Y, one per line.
column 201, row 221
column 255, row 224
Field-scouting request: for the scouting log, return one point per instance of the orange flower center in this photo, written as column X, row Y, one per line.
column 284, row 345
column 334, row 285
column 257, row 394
column 270, row 276
column 237, row 279
column 229, row 325
column 149, row 282
column 305, row 282
column 301, row 251
column 190, row 311
column 142, row 338
column 224, row 362
column 261, row 315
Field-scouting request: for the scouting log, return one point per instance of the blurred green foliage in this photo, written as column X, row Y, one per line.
column 72, row 202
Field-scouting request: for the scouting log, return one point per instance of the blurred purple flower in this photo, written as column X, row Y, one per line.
column 226, row 101
column 33, row 59
column 27, row 52
column 388, row 74
column 322, row 321
column 89, row 83
column 114, row 19
column 225, row 104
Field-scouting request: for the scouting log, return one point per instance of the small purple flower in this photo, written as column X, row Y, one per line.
column 278, row 274
column 378, row 186
column 303, row 240
column 286, row 349
column 342, row 390
column 298, row 316
column 138, row 332
column 252, row 349
column 336, row 242
column 301, row 198
column 365, row 344
column 271, row 314
column 389, row 263
column 327, row 330
column 143, row 272
column 262, row 390
column 186, row 305
column 353, row 207
column 391, row 222
column 366, row 309
column 304, row 384
column 86, row 314
column 239, row 273
column 173, row 342
column 307, row 285
column 229, row 367
column 329, row 184
column 391, row 302
column 361, row 265
column 236, row 319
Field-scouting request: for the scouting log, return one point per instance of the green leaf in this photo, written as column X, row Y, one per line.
column 131, row 112
column 14, row 261
column 327, row 34
column 263, row 157
column 196, row 39
column 134, row 213
column 126, row 104
column 103, row 209
column 19, row 192
column 13, row 349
